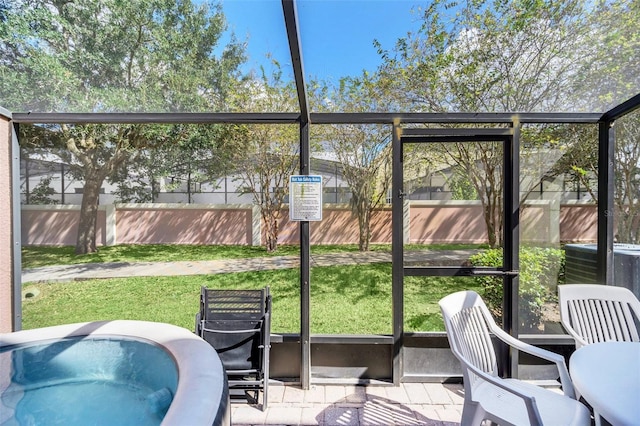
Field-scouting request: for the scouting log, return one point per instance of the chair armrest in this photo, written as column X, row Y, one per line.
column 565, row 379
column 580, row 341
column 529, row 401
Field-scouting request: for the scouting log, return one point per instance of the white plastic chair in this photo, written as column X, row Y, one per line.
column 594, row 313
column 489, row 397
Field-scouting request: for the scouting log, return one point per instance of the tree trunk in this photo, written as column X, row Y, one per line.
column 271, row 232
column 364, row 223
column 86, row 242
column 488, row 220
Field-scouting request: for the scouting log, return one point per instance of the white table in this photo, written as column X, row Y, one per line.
column 607, row 375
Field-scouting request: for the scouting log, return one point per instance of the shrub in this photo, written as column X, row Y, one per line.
column 540, row 271
column 43, row 192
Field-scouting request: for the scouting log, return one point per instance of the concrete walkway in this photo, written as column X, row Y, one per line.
column 85, row 271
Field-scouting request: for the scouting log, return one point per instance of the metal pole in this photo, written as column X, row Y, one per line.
column 305, row 256
column 293, row 36
column 62, row 184
column 606, row 148
column 397, row 250
column 27, row 178
column 335, row 168
column 511, row 237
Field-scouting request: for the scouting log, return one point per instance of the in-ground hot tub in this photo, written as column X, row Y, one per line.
column 111, row 372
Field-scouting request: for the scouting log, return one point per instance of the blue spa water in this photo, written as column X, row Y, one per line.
column 87, row 381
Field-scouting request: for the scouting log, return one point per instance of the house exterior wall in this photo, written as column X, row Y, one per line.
column 6, row 226
column 430, row 222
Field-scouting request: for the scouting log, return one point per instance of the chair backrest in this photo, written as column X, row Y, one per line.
column 233, row 304
column 468, row 321
column 237, row 324
column 598, row 313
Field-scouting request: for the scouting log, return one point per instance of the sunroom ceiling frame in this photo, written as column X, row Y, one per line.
column 315, row 118
column 627, row 107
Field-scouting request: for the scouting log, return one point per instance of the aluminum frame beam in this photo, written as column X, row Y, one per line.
column 296, row 117
column 606, row 187
column 397, row 255
column 453, row 117
column 493, row 131
column 623, row 109
column 293, row 36
column 155, row 118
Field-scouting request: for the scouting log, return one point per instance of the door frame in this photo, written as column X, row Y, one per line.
column 510, row 138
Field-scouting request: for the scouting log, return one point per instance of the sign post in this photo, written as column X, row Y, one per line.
column 305, row 204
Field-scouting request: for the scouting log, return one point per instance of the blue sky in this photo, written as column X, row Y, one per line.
column 336, row 35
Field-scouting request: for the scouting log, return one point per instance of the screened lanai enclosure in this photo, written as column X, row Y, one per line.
column 486, row 145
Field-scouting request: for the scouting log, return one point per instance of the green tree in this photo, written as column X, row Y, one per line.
column 611, row 77
column 461, row 187
column 627, row 179
column 269, row 152
column 607, row 78
column 491, row 56
column 487, row 56
column 43, row 192
column 579, row 159
column 363, row 150
column 191, row 154
column 608, row 75
column 113, row 55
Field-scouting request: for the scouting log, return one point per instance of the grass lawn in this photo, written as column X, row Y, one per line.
column 354, row 299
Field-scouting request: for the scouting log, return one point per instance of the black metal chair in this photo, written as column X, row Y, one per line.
column 237, row 323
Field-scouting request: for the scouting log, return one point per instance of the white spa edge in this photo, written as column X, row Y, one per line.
column 201, row 390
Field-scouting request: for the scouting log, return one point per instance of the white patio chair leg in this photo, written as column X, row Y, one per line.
column 472, row 415
column 598, row 419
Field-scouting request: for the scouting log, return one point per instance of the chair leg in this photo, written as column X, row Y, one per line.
column 599, row 420
column 472, row 415
column 265, row 396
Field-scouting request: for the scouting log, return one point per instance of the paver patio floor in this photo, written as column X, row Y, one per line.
column 407, row 404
